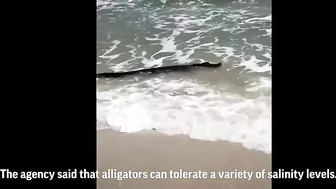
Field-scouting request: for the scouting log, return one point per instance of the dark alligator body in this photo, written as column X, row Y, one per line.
column 158, row 70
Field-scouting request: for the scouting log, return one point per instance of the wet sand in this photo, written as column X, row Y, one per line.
column 150, row 151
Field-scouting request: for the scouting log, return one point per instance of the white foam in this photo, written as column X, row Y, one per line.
column 171, row 108
column 262, row 85
column 111, row 4
column 267, row 55
column 252, row 66
column 106, row 54
column 254, row 20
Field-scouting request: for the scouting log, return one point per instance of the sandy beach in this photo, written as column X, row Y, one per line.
column 150, row 151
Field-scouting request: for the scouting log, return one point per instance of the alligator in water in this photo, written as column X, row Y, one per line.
column 158, row 69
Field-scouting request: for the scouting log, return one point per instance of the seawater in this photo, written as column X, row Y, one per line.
column 230, row 103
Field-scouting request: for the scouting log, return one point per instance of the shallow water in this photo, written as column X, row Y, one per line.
column 231, row 103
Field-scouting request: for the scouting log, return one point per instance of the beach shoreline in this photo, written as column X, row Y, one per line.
column 151, row 151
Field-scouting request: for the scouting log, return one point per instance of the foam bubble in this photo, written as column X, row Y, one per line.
column 251, row 65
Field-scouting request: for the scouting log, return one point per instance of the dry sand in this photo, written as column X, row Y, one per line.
column 151, row 151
